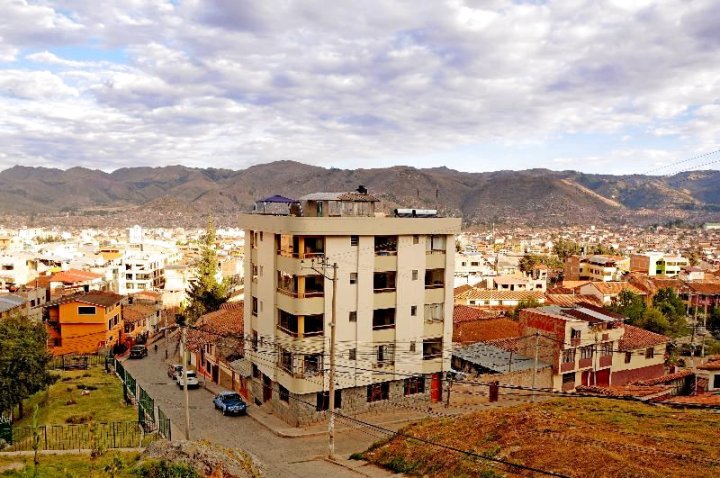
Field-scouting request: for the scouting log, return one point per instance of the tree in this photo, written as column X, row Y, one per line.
column 629, row 304
column 206, row 293
column 525, row 304
column 528, row 262
column 23, row 361
column 654, row 321
column 695, row 256
column 564, row 248
column 668, row 302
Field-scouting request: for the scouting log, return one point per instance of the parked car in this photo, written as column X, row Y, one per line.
column 230, row 403
column 192, row 380
column 138, row 352
column 174, row 371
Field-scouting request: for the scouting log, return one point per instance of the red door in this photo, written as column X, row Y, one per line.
column 602, row 378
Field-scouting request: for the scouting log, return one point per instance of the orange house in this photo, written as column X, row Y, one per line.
column 84, row 323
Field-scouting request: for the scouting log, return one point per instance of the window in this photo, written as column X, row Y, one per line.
column 86, row 310
column 254, row 306
column 432, row 348
column 568, row 379
column 312, row 364
column 254, row 343
column 414, row 385
column 385, row 245
column 568, row 356
column 286, row 360
column 434, row 312
column 314, row 324
column 384, row 281
column 414, row 274
column 352, row 354
column 586, row 352
column 110, row 324
column 353, row 277
column 434, row 278
column 256, row 372
column 413, row 310
column 284, row 394
column 383, row 318
column 354, row 241
column 287, row 322
column 352, row 316
column 628, row 357
column 385, row 354
column 378, row 391
column 57, row 342
column 416, row 239
column 323, row 400
column 412, row 346
column 575, row 335
column 261, row 235
column 606, row 349
column 649, row 353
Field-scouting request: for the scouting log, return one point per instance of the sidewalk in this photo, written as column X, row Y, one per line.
column 382, row 418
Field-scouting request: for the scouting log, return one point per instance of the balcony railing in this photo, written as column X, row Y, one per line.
column 297, row 295
column 300, row 255
column 585, row 362
column 567, row 366
column 605, row 360
column 383, row 326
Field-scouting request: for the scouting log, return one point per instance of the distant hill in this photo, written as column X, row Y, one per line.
column 537, row 196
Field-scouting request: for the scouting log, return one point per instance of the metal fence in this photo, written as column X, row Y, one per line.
column 79, row 361
column 146, row 410
column 79, row 437
column 163, row 425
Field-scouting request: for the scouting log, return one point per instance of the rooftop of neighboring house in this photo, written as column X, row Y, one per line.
column 482, row 330
column 636, row 338
column 93, row 297
column 10, row 301
column 705, row 287
column 227, row 322
column 494, row 294
column 606, row 261
column 495, row 358
column 614, row 288
column 574, row 284
column 136, row 312
column 73, row 276
column 341, row 196
column 586, row 313
column 570, row 300
column 712, row 364
column 464, row 313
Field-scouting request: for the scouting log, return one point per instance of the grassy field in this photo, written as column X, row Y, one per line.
column 68, row 466
column 573, row 437
column 64, row 402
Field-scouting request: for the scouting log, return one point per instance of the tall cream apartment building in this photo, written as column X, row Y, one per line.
column 394, row 304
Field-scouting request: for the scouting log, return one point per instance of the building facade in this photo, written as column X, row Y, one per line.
column 393, row 305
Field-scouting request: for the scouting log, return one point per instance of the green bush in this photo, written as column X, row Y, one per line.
column 164, row 469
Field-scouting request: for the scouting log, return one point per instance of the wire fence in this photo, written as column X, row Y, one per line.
column 80, row 361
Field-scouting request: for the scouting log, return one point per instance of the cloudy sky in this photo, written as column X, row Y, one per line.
column 622, row 86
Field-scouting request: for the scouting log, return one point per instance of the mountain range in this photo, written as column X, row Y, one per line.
column 536, row 196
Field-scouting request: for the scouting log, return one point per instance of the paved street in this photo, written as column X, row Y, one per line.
column 298, row 457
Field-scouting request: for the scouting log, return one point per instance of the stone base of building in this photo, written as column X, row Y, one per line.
column 624, row 377
column 300, row 410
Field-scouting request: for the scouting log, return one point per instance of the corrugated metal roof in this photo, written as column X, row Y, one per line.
column 10, row 301
column 495, row 359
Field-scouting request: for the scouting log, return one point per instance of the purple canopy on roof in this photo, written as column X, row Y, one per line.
column 278, row 199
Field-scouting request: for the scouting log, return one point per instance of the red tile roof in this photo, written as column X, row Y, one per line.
column 614, row 288
column 136, row 312
column 464, row 313
column 569, row 300
column 706, row 399
column 637, row 338
column 665, row 379
column 710, row 365
column 484, row 330
column 94, row 297
column 705, row 287
column 73, row 276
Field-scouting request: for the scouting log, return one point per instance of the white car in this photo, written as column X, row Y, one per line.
column 192, row 380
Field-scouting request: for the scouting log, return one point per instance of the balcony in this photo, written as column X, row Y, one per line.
column 585, row 362
column 435, row 278
column 605, row 360
column 383, row 319
column 567, row 367
column 386, row 245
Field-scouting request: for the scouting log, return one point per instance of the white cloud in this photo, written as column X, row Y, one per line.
column 230, row 83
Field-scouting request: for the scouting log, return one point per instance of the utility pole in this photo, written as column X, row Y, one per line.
column 535, row 363
column 331, row 373
column 185, row 383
